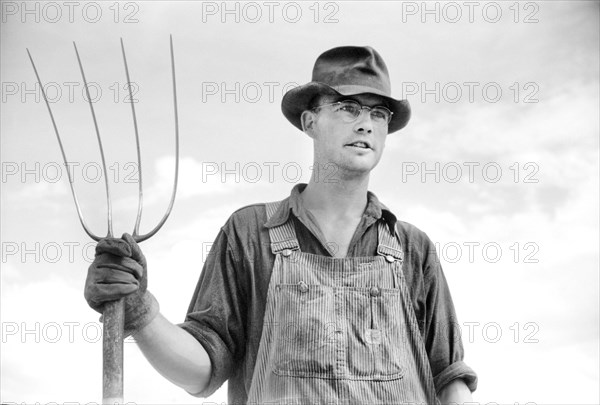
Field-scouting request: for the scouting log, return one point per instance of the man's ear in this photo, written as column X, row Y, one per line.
column 308, row 120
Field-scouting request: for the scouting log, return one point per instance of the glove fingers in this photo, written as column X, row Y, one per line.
column 115, row 246
column 119, row 270
column 117, row 277
column 107, row 262
column 111, row 292
column 97, row 294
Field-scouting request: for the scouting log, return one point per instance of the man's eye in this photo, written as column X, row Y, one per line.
column 379, row 114
column 348, row 108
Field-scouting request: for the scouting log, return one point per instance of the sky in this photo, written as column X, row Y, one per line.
column 498, row 165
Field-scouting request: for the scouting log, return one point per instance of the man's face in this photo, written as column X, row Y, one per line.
column 353, row 147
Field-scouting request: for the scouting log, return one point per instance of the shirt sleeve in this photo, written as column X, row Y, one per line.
column 442, row 333
column 215, row 317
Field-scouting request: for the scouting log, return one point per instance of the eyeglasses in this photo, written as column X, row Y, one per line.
column 349, row 111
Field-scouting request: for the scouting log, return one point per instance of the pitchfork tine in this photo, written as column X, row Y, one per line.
column 87, row 92
column 62, row 151
column 137, row 145
column 140, row 238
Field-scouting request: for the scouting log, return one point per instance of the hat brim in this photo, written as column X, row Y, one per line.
column 298, row 100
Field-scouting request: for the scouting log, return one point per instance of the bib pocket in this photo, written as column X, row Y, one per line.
column 305, row 336
column 376, row 350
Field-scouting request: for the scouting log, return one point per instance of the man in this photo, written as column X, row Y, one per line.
column 324, row 297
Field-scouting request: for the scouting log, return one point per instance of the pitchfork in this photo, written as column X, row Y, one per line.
column 113, row 313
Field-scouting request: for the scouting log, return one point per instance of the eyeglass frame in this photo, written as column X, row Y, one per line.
column 362, row 107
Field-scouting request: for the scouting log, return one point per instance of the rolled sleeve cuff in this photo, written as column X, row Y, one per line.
column 217, row 352
column 456, row 370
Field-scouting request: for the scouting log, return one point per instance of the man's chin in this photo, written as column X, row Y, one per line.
column 358, row 169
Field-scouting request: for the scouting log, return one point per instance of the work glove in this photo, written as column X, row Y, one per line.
column 119, row 270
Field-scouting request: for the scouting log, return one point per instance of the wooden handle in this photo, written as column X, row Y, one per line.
column 112, row 352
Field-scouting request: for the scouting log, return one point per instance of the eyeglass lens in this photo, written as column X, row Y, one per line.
column 351, row 110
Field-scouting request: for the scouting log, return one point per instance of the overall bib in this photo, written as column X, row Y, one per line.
column 339, row 330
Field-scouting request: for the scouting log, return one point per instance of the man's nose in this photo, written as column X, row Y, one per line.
column 364, row 123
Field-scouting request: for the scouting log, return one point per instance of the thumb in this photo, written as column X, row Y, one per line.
column 136, row 251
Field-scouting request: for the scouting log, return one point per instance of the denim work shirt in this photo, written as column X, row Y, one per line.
column 227, row 309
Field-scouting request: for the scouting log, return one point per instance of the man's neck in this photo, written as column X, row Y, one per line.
column 336, row 197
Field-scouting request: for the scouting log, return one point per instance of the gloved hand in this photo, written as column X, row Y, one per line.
column 119, row 270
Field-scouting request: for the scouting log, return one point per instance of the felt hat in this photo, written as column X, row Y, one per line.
column 346, row 71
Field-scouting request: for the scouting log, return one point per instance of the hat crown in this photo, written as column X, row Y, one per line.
column 354, row 66
column 346, row 71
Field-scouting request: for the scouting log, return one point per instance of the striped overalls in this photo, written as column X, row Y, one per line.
column 339, row 330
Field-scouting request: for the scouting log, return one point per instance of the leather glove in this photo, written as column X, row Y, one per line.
column 119, row 270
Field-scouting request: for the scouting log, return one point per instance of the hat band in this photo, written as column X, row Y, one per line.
column 350, row 89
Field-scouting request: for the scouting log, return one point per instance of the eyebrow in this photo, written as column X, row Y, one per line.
column 380, row 102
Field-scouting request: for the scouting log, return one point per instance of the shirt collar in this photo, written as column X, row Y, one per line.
column 293, row 203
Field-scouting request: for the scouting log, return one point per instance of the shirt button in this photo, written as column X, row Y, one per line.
column 303, row 287
column 375, row 292
column 286, row 252
column 390, row 258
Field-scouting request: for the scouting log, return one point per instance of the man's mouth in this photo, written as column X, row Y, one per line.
column 361, row 145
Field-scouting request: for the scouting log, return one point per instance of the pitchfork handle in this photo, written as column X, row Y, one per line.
column 112, row 346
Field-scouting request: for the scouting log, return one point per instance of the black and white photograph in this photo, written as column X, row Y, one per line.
column 300, row 202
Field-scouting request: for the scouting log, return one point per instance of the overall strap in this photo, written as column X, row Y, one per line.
column 283, row 236
column 388, row 244
column 391, row 243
